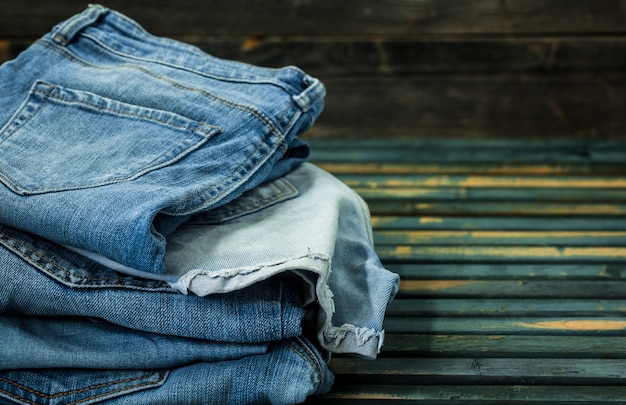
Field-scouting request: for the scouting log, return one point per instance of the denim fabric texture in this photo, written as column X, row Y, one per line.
column 286, row 373
column 104, row 125
column 163, row 239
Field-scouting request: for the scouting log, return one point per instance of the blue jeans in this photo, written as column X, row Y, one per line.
column 103, row 125
column 141, row 368
column 171, row 246
column 74, row 330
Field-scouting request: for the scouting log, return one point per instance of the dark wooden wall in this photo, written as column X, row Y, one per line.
column 406, row 68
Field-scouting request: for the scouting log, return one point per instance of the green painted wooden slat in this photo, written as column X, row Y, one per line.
column 571, row 272
column 537, row 346
column 467, row 151
column 420, row 194
column 520, row 370
column 482, row 181
column 471, row 147
column 574, row 326
column 489, row 208
column 537, row 169
column 480, row 394
column 423, row 222
column 500, row 238
column 511, row 254
column 506, row 307
column 522, row 288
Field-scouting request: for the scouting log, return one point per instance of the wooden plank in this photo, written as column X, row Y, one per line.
column 480, row 394
column 509, row 271
column 574, row 326
column 470, row 168
column 437, row 193
column 507, row 307
column 327, row 17
column 510, row 346
column 485, row 370
column 522, row 288
column 444, row 152
column 519, row 254
column 490, row 208
column 500, row 238
column 474, row 106
column 497, row 223
column 332, row 56
column 481, row 181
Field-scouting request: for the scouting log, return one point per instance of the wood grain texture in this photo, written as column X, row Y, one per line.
column 352, row 17
column 513, row 278
column 406, row 69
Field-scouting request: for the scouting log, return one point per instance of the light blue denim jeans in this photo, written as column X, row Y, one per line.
column 110, row 137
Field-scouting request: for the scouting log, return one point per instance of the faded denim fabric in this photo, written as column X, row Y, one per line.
column 40, row 278
column 284, row 372
column 75, row 331
column 110, row 137
column 307, row 222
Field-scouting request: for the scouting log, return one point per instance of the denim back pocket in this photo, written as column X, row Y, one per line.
column 66, row 386
column 65, row 139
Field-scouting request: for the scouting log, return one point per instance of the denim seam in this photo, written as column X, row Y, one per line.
column 243, row 107
column 33, row 258
column 308, row 357
column 248, row 167
column 195, row 136
column 50, row 94
column 78, row 391
column 278, row 84
column 284, row 189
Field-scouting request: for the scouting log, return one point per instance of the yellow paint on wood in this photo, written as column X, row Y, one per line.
column 537, row 209
column 501, row 182
column 431, row 220
column 417, row 168
column 436, row 285
column 513, row 252
column 417, row 237
column 576, row 325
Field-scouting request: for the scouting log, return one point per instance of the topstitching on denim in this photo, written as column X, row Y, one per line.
column 95, row 386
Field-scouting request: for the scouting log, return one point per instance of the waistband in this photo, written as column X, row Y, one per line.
column 122, row 35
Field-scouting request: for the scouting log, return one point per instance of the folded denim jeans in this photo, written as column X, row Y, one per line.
column 283, row 372
column 110, row 138
column 40, row 278
column 297, row 249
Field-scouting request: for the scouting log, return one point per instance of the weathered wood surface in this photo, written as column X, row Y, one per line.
column 353, row 17
column 523, row 304
column 406, row 69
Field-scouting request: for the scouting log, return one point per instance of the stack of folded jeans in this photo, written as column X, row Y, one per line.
column 163, row 239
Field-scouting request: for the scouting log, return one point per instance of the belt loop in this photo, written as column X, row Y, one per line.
column 65, row 31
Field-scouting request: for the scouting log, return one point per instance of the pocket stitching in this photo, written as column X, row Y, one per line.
column 162, row 375
column 193, row 135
